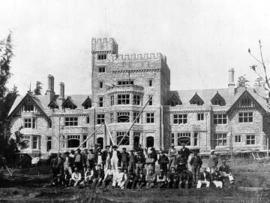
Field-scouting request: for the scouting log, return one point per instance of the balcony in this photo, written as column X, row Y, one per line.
column 125, row 88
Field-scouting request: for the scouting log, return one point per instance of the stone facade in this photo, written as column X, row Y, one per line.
column 228, row 119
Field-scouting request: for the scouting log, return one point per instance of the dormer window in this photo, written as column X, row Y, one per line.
column 218, row 100
column 69, row 104
column 87, row 103
column 196, row 99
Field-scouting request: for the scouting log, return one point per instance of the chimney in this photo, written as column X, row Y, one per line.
column 50, row 90
column 231, row 83
column 62, row 91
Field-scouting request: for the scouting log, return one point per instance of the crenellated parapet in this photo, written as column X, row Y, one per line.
column 138, row 57
column 104, row 45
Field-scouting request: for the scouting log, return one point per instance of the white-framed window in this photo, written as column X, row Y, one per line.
column 150, row 97
column 73, row 141
column 112, row 100
column 220, row 118
column 30, row 123
column 100, row 118
column 100, row 101
column 179, row 118
column 250, row 140
column 28, row 108
column 123, row 99
column 172, row 138
column 245, row 117
column 183, row 137
column 237, row 138
column 200, row 116
column 195, row 138
column 150, row 117
column 136, row 99
column 101, row 56
column 71, row 121
column 101, row 69
column 121, row 136
column 123, row 117
column 35, row 142
column 135, row 114
column 49, row 143
column 100, row 84
column 220, row 139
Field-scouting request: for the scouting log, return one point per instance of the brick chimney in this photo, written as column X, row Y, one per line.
column 62, row 91
column 231, row 83
column 50, row 92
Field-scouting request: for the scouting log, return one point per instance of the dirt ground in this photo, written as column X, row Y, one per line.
column 252, row 185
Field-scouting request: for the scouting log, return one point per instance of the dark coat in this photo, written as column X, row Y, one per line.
column 163, row 160
column 205, row 175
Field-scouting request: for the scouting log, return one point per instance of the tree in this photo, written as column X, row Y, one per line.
column 38, row 88
column 242, row 81
column 260, row 69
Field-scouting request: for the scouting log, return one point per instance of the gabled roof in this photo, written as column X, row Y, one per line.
column 53, row 105
column 196, row 99
column 68, row 103
column 20, row 101
column 219, row 99
column 174, row 100
column 87, row 103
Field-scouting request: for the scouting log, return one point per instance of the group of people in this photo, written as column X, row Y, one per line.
column 137, row 169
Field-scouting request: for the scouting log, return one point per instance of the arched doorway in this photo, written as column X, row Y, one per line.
column 100, row 142
column 150, row 142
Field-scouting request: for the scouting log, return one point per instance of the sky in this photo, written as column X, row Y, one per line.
column 202, row 39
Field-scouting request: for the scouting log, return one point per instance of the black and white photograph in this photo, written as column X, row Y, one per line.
column 126, row 101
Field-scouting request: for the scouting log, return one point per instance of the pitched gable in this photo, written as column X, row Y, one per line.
column 68, row 103
column 218, row 100
column 27, row 103
column 196, row 99
column 53, row 105
column 174, row 100
column 87, row 103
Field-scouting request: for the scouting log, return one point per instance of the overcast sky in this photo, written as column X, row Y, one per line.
column 202, row 39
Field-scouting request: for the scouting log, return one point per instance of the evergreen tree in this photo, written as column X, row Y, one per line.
column 38, row 88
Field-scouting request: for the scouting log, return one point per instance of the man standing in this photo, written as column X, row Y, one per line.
column 78, row 160
column 115, row 158
column 213, row 161
column 163, row 162
column 196, row 163
column 185, row 152
column 172, row 156
column 124, row 159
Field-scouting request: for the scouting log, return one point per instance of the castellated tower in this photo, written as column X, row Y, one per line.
column 121, row 85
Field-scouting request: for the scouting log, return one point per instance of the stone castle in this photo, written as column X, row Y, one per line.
column 229, row 119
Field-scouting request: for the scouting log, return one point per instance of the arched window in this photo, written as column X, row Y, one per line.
column 73, row 141
column 122, row 135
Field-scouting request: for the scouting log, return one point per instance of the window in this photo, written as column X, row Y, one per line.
column 245, row 117
column 101, row 56
column 135, row 114
column 221, row 139
column 101, row 69
column 28, row 108
column 200, row 116
column 245, row 102
column 150, row 83
column 73, row 141
column 150, row 103
column 112, row 117
column 123, row 99
column 172, row 138
column 84, row 142
column 180, row 118
column 26, row 140
column 220, row 118
column 100, row 101
column 71, row 121
column 183, row 137
column 250, row 140
column 218, row 102
column 49, row 143
column 112, row 100
column 150, row 118
column 122, row 136
column 100, row 118
column 30, row 122
column 125, row 82
column 87, row 119
column 123, row 117
column 35, row 142
column 136, row 99
column 100, row 84
column 237, row 138
column 195, row 137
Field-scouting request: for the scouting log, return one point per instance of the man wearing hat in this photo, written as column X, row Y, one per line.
column 163, row 162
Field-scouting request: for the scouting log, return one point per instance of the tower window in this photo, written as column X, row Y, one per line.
column 150, row 118
column 150, row 103
column 100, row 84
column 150, row 82
column 101, row 69
column 100, row 118
column 102, row 56
column 123, row 99
column 100, row 101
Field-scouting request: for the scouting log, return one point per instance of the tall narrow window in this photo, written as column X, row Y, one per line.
column 136, row 117
column 100, row 118
column 112, row 117
column 49, row 143
column 195, row 137
column 87, row 119
column 150, row 103
column 112, row 100
column 100, row 101
column 136, row 99
column 35, row 142
column 172, row 138
column 150, row 118
column 150, row 83
column 100, row 84
column 84, row 141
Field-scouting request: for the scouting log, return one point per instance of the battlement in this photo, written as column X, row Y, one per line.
column 104, row 45
column 127, row 57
